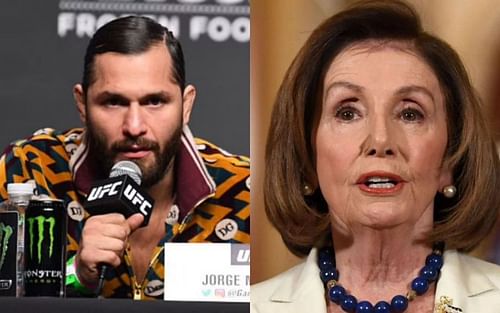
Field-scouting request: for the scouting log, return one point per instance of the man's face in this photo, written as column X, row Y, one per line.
column 134, row 110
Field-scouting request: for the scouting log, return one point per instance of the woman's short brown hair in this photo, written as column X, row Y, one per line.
column 303, row 221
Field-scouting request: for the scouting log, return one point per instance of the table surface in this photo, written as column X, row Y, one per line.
column 77, row 305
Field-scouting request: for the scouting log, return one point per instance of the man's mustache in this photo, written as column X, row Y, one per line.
column 135, row 144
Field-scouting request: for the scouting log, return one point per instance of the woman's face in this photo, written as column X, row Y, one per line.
column 381, row 138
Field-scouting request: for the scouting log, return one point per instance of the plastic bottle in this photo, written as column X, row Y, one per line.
column 20, row 195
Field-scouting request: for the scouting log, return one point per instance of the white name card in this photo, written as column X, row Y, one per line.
column 218, row 272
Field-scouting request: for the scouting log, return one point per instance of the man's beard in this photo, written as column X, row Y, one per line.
column 104, row 158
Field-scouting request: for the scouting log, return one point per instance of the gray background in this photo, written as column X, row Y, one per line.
column 38, row 69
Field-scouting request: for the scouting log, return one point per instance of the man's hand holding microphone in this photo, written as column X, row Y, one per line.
column 117, row 207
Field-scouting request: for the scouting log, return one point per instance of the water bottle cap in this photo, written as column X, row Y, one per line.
column 20, row 188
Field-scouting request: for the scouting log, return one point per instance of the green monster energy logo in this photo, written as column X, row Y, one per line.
column 5, row 232
column 41, row 220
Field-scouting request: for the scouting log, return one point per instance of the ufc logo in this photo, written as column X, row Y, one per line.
column 106, row 190
column 137, row 199
column 240, row 254
column 243, row 256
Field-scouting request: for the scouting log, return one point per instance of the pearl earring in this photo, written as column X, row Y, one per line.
column 449, row 191
column 307, row 190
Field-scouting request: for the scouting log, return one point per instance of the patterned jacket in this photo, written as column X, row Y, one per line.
column 212, row 189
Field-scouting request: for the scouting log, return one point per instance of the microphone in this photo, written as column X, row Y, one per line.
column 120, row 193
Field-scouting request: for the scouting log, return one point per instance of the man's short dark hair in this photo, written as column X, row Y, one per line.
column 132, row 35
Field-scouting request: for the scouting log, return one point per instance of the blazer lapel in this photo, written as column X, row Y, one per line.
column 301, row 292
column 459, row 283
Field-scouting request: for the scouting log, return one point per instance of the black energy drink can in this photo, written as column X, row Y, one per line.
column 45, row 248
column 8, row 253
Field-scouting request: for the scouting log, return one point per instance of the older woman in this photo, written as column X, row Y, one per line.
column 381, row 169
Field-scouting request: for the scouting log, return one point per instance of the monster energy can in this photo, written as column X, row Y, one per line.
column 45, row 248
column 8, row 253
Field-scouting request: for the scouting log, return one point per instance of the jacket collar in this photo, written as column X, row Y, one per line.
column 193, row 183
column 303, row 291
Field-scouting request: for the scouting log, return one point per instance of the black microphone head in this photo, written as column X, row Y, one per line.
column 128, row 168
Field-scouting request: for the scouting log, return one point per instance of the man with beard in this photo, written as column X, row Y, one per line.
column 135, row 105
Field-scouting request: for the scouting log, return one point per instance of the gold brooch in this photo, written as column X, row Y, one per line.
column 445, row 305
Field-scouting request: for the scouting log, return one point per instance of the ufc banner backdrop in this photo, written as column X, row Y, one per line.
column 44, row 42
